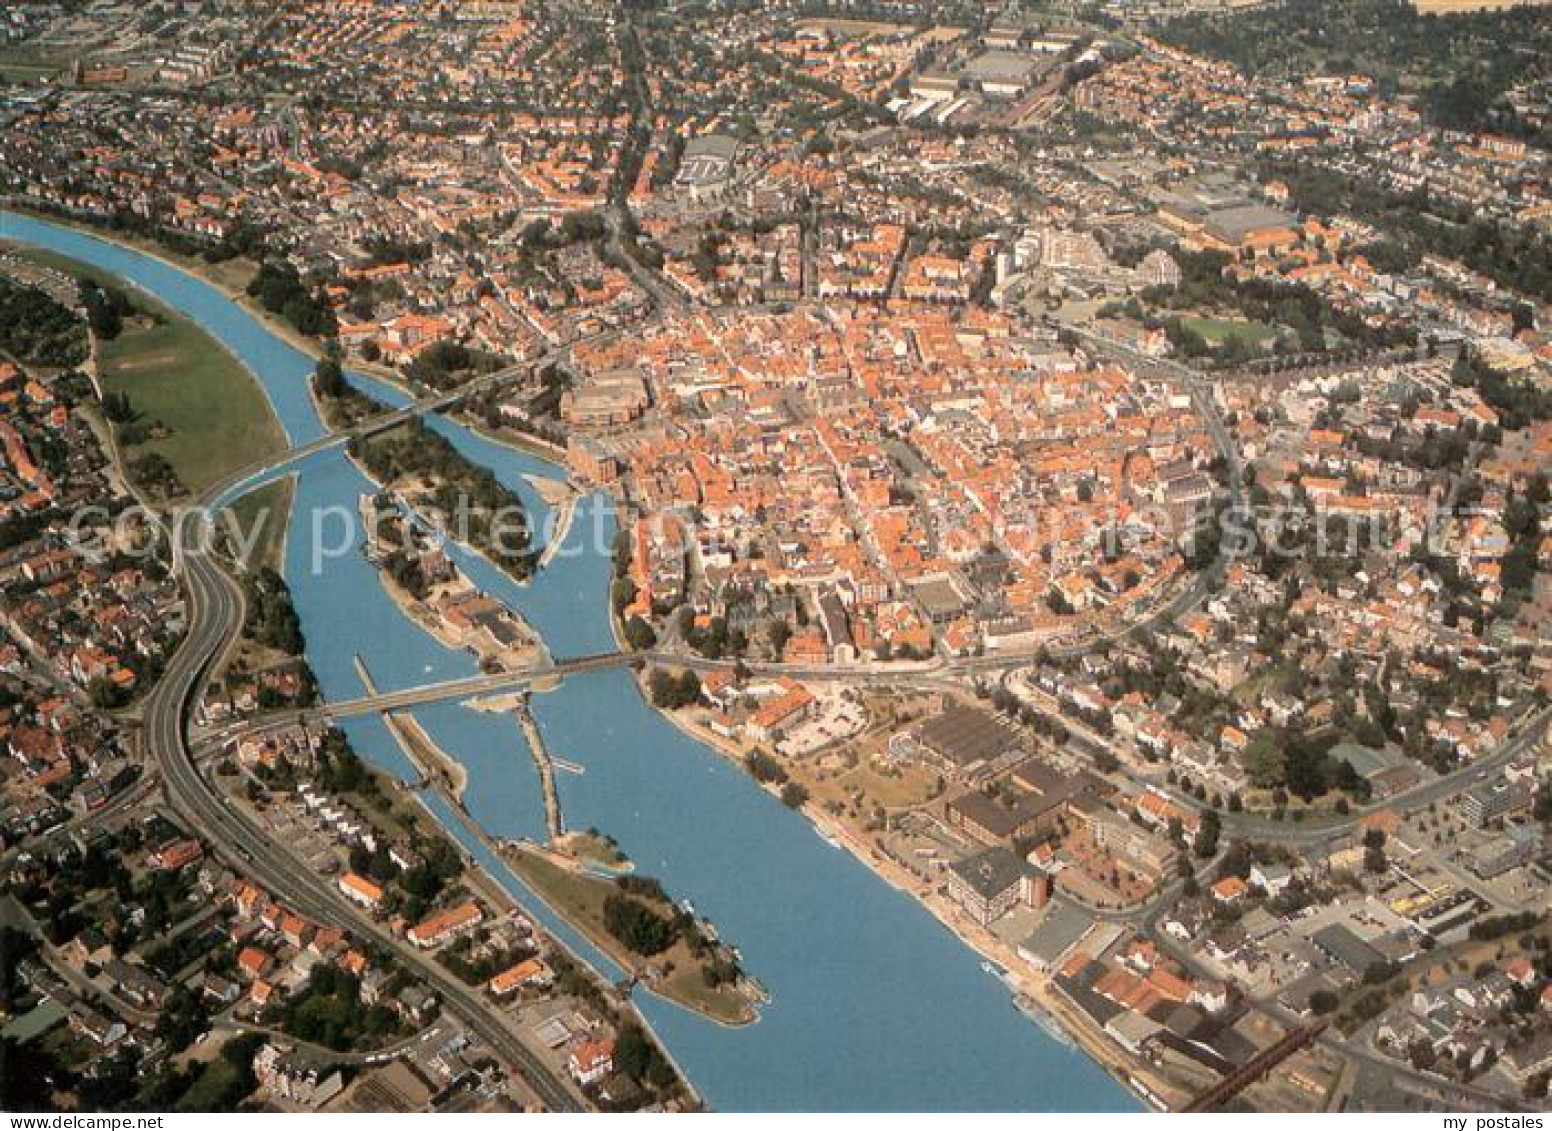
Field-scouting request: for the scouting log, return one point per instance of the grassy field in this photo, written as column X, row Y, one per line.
column 24, row 72
column 216, row 414
column 1220, row 330
column 579, row 899
column 33, row 56
column 217, row 417
column 261, row 516
column 1268, row 682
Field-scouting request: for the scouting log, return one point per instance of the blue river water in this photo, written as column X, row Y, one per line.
column 874, row 1004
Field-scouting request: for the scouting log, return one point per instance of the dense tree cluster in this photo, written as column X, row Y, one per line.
column 328, row 1011
column 272, row 618
column 670, row 692
column 153, row 471
column 106, row 308
column 639, row 635
column 1279, row 758
column 763, row 768
column 638, row 1057
column 439, row 363
column 280, row 290
column 485, row 512
column 329, row 379
column 637, row 926
column 36, row 330
column 1459, row 63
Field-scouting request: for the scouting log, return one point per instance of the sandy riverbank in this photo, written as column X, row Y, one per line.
column 559, row 532
column 497, row 704
column 554, row 492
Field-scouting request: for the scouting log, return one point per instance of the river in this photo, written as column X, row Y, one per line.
column 875, row 1005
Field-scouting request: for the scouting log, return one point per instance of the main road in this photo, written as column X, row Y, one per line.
column 215, row 617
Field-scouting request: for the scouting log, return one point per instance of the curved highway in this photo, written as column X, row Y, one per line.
column 215, row 618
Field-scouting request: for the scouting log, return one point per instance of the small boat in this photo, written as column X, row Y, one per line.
column 1031, row 1009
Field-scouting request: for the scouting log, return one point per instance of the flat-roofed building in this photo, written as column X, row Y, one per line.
column 963, row 742
column 1491, row 800
column 1144, row 849
column 1048, row 946
column 989, row 884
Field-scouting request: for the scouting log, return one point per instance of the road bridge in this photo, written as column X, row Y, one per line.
column 267, row 467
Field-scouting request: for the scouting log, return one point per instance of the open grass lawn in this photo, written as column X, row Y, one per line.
column 1220, row 330
column 233, row 273
column 577, row 898
column 24, row 72
column 175, row 374
column 218, row 1086
column 43, row 58
column 906, row 788
column 260, row 518
column 1270, row 681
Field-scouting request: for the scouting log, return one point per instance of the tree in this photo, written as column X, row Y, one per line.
column 793, row 795
column 689, row 687
column 669, row 692
column 636, row 925
column 116, row 406
column 25, row 1074
column 763, row 768
column 639, row 635
column 1265, row 761
column 622, row 591
column 105, row 310
column 1206, row 843
column 329, row 379
column 106, row 695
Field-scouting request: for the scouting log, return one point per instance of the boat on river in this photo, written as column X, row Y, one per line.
column 1033, row 1010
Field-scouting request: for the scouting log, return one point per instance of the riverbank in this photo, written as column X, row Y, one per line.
column 560, row 530
column 432, row 759
column 1076, row 1026
column 256, row 526
column 203, row 270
